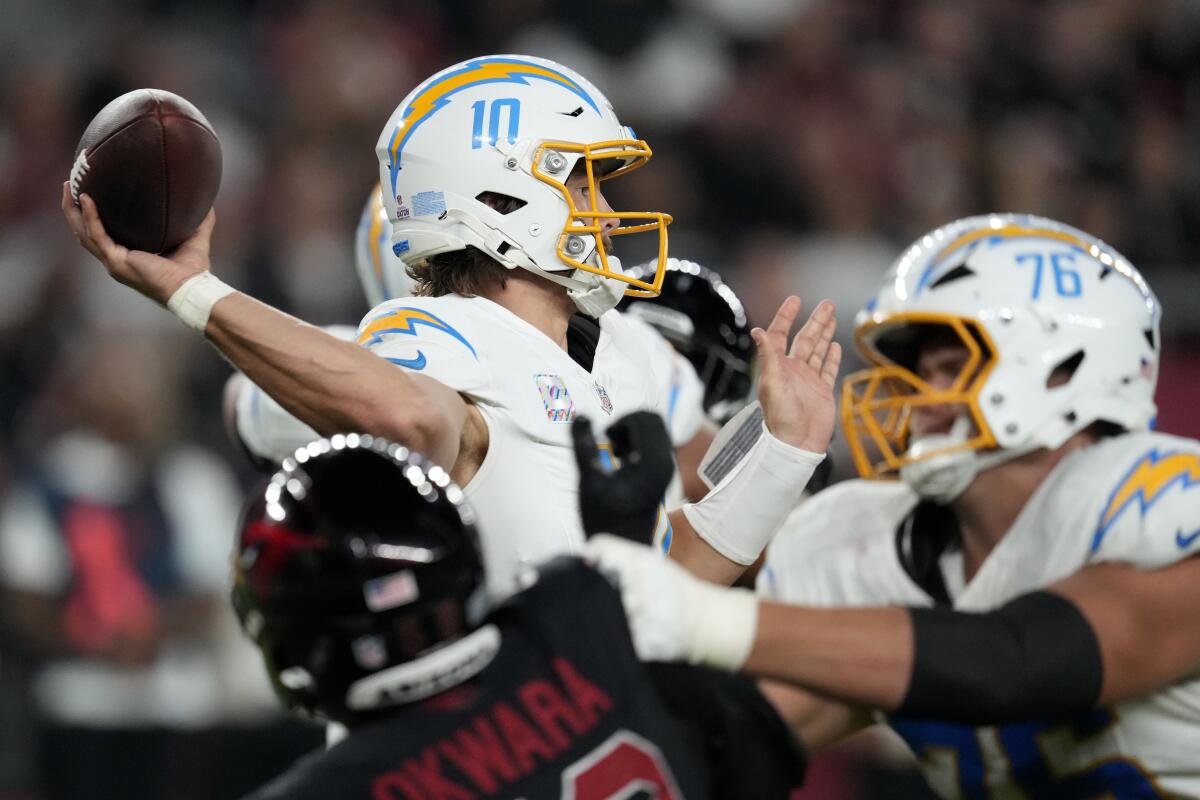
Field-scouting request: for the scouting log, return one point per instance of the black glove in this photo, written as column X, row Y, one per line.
column 625, row 501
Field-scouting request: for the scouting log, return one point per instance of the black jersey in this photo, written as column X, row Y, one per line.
column 565, row 709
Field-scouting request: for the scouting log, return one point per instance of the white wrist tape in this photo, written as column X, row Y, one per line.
column 673, row 615
column 193, row 301
column 719, row 626
column 741, row 515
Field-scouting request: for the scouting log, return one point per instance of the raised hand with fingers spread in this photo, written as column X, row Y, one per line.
column 732, row 525
column 795, row 387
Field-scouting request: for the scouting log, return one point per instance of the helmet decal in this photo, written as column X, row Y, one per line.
column 1148, row 480
column 404, row 320
column 437, row 93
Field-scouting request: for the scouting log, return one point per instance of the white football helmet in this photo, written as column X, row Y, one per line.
column 515, row 126
column 1026, row 296
column 381, row 273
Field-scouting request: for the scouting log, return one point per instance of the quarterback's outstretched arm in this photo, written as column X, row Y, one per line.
column 718, row 537
column 330, row 384
column 1082, row 642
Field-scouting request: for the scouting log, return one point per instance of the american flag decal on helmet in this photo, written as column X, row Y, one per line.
column 389, row 591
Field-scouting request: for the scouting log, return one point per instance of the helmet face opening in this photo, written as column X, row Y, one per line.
column 878, row 402
column 602, row 161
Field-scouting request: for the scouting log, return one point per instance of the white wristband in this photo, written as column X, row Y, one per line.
column 741, row 515
column 193, row 301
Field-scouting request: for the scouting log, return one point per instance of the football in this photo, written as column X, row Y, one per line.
column 152, row 163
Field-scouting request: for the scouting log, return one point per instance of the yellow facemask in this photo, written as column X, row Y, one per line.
column 631, row 153
column 877, row 402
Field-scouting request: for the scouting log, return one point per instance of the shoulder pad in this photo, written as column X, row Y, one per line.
column 1149, row 485
column 431, row 335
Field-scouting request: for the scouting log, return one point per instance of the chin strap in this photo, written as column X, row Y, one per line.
column 942, row 478
column 605, row 293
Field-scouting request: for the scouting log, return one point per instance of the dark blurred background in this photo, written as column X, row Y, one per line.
column 799, row 144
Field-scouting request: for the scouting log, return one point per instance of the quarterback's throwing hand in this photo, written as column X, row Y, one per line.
column 674, row 616
column 795, row 388
column 154, row 276
column 624, row 498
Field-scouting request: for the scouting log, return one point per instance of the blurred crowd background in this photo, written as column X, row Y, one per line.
column 799, row 144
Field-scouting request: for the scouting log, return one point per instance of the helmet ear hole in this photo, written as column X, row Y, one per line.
column 1064, row 370
column 500, row 202
column 958, row 273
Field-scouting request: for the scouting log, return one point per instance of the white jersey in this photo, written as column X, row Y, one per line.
column 679, row 390
column 528, row 390
column 1133, row 499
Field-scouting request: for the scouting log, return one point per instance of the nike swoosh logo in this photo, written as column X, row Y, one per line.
column 1185, row 541
column 411, row 363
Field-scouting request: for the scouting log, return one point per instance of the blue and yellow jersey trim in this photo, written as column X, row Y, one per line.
column 1145, row 484
column 405, row 320
column 436, row 94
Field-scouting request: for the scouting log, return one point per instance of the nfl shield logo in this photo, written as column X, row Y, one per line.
column 369, row 651
column 559, row 405
column 605, row 401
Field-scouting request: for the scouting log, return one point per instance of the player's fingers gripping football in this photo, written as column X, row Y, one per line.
column 74, row 216
column 795, row 387
column 154, row 276
column 191, row 256
column 199, row 243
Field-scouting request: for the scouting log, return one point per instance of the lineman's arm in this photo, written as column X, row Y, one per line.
column 816, row 721
column 329, row 384
column 1081, row 643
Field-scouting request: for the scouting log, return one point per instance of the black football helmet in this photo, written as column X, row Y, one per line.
column 702, row 317
column 358, row 574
